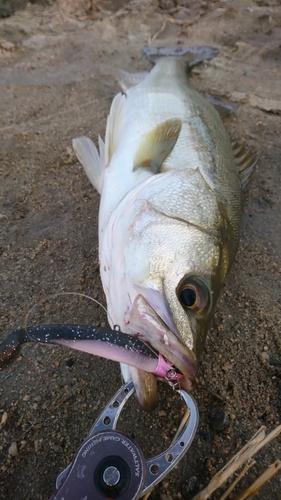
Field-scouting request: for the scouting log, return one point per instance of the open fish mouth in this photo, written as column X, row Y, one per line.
column 147, row 322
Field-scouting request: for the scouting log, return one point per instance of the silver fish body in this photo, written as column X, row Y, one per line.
column 169, row 215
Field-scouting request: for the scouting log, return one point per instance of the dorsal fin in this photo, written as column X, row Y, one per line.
column 127, row 80
column 114, row 125
column 246, row 160
column 157, row 144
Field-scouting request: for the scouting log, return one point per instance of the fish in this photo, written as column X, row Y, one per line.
column 170, row 211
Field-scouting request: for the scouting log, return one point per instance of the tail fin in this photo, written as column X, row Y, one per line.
column 193, row 55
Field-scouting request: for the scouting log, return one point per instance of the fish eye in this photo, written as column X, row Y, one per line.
column 193, row 295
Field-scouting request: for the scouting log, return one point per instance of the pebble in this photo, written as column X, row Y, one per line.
column 3, row 419
column 13, row 450
column 218, row 419
column 265, row 356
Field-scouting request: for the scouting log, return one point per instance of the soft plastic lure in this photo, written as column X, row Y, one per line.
column 103, row 342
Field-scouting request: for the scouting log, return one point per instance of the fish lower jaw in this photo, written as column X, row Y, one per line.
column 166, row 371
column 174, row 366
column 175, row 370
column 147, row 323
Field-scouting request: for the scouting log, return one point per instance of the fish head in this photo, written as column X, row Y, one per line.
column 170, row 259
column 176, row 275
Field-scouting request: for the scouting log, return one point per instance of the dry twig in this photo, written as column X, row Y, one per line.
column 151, row 39
column 258, row 483
column 253, row 446
column 147, row 495
column 182, row 424
column 183, row 22
column 179, row 8
column 248, row 465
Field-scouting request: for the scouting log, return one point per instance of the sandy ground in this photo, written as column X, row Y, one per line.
column 57, row 70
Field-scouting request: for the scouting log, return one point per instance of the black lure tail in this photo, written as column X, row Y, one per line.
column 52, row 334
column 9, row 349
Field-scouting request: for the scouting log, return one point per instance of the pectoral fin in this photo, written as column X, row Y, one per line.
column 157, row 144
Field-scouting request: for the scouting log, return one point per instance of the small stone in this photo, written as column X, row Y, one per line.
column 69, row 362
column 216, row 444
column 26, row 398
column 3, row 419
column 265, row 356
column 218, row 419
column 13, row 450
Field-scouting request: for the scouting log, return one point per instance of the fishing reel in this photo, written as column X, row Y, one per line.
column 110, row 465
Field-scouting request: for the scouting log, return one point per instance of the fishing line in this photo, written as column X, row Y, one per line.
column 61, row 294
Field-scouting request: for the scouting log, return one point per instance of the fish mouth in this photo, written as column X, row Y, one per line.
column 147, row 321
